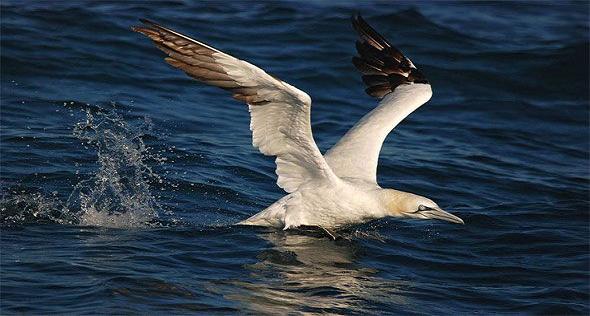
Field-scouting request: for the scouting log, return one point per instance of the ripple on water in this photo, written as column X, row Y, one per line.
column 128, row 216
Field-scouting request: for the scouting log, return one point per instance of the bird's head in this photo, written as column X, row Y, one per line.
column 404, row 204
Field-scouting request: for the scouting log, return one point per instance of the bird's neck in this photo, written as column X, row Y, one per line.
column 395, row 202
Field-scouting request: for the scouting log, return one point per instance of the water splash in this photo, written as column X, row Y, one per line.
column 18, row 207
column 118, row 194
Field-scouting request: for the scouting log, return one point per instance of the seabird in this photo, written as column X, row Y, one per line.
column 338, row 188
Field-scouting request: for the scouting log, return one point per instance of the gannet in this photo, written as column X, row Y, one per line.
column 328, row 191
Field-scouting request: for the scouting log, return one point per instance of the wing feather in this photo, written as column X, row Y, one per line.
column 279, row 112
column 378, row 57
column 389, row 76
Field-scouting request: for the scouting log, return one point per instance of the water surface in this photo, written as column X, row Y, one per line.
column 121, row 177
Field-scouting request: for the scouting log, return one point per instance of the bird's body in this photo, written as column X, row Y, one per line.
column 354, row 196
column 332, row 190
column 328, row 205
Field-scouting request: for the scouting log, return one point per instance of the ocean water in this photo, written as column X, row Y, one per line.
column 121, row 177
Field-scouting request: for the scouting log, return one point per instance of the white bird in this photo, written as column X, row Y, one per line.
column 329, row 191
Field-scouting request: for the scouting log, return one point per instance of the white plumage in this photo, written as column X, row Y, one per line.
column 332, row 190
column 357, row 153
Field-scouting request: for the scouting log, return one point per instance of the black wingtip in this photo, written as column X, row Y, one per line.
column 356, row 19
column 383, row 66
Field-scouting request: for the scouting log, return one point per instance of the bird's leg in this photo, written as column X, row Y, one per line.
column 333, row 235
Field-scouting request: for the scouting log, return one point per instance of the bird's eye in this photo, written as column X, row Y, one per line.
column 422, row 208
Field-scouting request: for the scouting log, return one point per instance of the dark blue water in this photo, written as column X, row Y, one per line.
column 121, row 177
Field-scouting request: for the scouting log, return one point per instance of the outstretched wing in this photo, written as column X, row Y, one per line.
column 389, row 76
column 280, row 113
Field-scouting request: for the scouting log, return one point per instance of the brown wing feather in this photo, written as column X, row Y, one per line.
column 196, row 60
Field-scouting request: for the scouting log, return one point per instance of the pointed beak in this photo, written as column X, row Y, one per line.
column 437, row 213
